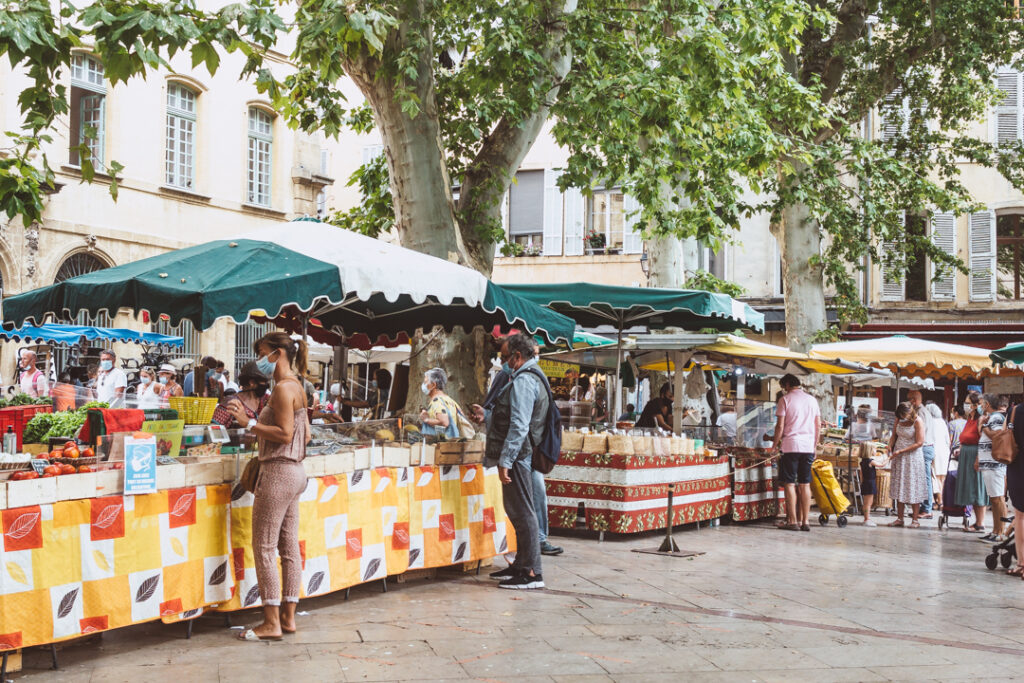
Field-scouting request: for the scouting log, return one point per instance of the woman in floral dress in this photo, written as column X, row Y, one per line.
column 908, row 483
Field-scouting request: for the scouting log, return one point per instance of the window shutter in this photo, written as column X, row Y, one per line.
column 504, row 213
column 526, row 203
column 575, row 221
column 1008, row 111
column 893, row 123
column 893, row 279
column 552, row 214
column 943, row 230
column 983, row 255
column 632, row 239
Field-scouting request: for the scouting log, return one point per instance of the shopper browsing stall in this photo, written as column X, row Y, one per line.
column 908, row 484
column 993, row 473
column 283, row 431
column 111, row 381
column 147, row 393
column 168, row 375
column 970, row 488
column 928, row 449
column 441, row 416
column 797, row 432
column 658, row 411
column 252, row 397
column 33, row 380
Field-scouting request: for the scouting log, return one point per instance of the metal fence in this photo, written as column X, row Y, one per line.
column 183, row 329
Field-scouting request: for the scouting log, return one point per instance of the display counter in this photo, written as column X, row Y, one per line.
column 756, row 490
column 79, row 557
column 628, row 493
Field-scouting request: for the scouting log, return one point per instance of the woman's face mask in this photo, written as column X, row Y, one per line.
column 145, row 380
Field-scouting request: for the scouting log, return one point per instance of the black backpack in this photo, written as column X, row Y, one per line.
column 545, row 453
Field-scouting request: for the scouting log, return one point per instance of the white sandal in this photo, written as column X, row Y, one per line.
column 249, row 636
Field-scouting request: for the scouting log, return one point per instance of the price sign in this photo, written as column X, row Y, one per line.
column 139, row 465
column 38, row 464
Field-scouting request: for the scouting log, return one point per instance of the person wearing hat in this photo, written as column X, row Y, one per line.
column 168, row 376
column 252, row 395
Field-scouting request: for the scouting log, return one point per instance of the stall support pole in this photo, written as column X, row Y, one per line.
column 677, row 390
column 617, row 403
column 669, row 545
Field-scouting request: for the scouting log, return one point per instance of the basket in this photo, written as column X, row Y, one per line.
column 621, row 444
column 572, row 442
column 194, row 410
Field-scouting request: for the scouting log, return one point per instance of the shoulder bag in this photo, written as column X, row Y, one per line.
column 1004, row 444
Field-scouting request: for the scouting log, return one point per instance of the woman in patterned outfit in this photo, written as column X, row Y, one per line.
column 282, row 430
column 908, row 484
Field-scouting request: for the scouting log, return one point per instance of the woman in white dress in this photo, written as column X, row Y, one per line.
column 908, row 483
column 940, row 434
column 148, row 390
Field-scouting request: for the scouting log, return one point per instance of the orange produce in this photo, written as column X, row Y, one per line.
column 18, row 476
column 84, row 468
column 48, row 474
column 31, row 475
column 52, row 470
column 87, row 453
column 56, row 454
column 71, row 452
column 70, row 444
column 67, row 469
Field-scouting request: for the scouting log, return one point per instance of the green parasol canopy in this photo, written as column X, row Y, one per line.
column 350, row 283
column 1013, row 353
column 592, row 305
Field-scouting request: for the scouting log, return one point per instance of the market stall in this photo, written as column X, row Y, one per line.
column 170, row 541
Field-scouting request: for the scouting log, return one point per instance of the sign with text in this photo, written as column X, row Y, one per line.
column 553, row 368
column 168, row 435
column 139, row 465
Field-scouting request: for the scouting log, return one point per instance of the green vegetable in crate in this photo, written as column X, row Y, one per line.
column 37, row 427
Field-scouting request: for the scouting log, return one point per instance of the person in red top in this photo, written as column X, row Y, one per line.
column 970, row 487
column 253, row 397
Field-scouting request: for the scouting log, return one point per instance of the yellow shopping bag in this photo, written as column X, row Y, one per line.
column 827, row 492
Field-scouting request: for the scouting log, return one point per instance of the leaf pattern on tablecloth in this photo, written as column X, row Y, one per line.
column 252, row 596
column 461, row 551
column 504, row 545
column 67, row 603
column 182, row 505
column 23, row 525
column 371, row 568
column 177, row 546
column 17, row 573
column 219, row 574
column 357, row 477
column 101, row 560
column 108, row 516
column 414, row 555
column 191, row 613
column 314, row 583
column 147, row 588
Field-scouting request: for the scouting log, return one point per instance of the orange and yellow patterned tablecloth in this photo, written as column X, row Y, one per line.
column 82, row 566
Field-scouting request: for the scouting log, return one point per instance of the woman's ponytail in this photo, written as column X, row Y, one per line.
column 301, row 359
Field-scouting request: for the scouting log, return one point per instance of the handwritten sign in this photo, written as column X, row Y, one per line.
column 39, row 464
column 139, row 465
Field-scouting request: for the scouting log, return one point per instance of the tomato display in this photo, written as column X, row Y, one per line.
column 52, row 470
column 67, row 469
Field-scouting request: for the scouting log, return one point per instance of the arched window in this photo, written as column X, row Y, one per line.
column 78, row 264
column 181, row 136
column 261, row 142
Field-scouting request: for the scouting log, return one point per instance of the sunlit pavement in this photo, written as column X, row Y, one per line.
column 853, row 604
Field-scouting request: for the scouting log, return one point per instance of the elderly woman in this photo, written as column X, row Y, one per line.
column 939, row 431
column 441, row 413
column 283, row 431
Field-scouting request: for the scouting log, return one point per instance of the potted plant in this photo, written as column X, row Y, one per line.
column 595, row 241
column 532, row 250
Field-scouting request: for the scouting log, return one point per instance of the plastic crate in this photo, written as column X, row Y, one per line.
column 18, row 417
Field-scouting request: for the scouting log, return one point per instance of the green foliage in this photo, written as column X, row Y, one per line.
column 708, row 282
column 375, row 215
column 44, row 426
column 25, row 400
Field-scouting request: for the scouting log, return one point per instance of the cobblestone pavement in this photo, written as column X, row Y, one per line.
column 853, row 604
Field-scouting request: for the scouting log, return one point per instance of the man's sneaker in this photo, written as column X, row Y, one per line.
column 523, row 581
column 987, row 537
column 548, row 549
column 870, row 522
column 999, row 538
column 504, row 574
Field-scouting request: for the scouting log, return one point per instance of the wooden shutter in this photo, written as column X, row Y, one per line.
column 1008, row 110
column 575, row 221
column 632, row 239
column 552, row 214
column 943, row 234
column 982, row 235
column 893, row 122
column 894, row 279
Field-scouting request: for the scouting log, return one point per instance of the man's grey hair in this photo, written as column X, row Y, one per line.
column 521, row 344
column 994, row 400
column 438, row 378
column 28, row 352
column 108, row 352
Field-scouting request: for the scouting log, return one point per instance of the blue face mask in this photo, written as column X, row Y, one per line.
column 425, row 389
column 265, row 366
column 506, row 368
column 145, row 380
column 106, row 365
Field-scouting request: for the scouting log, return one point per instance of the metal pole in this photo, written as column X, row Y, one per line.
column 617, row 403
column 669, row 545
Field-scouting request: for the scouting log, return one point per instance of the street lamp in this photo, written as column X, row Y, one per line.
column 645, row 264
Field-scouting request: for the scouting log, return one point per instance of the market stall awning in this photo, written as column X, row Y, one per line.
column 296, row 271
column 911, row 356
column 592, row 305
column 1012, row 354
column 54, row 333
column 754, row 356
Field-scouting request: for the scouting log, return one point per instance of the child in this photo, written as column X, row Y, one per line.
column 868, row 486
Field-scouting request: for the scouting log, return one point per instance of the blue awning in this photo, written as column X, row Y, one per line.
column 76, row 334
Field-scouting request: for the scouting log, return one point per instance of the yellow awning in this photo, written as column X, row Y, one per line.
column 911, row 356
column 757, row 357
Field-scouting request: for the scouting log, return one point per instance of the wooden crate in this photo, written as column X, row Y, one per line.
column 458, row 452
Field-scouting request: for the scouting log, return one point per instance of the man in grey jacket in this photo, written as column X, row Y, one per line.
column 514, row 423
